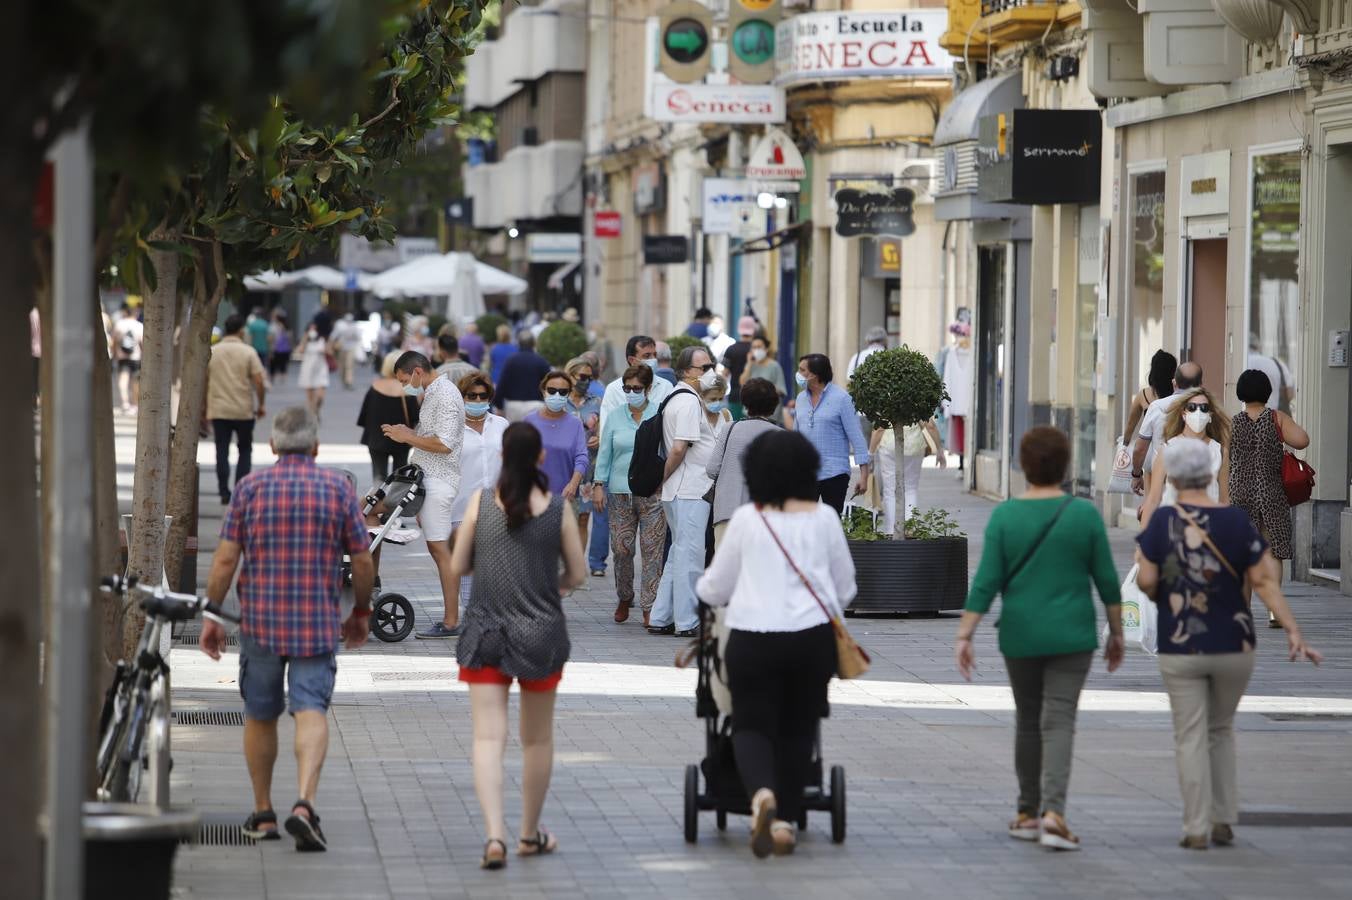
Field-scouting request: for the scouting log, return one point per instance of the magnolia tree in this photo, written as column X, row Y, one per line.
column 897, row 389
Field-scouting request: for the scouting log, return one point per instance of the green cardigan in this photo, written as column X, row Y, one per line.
column 1048, row 608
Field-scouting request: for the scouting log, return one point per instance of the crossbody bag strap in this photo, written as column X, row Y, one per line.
column 403, row 401
column 1206, row 539
column 797, row 571
column 1033, row 547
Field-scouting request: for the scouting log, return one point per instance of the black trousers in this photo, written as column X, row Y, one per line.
column 242, row 430
column 778, row 681
column 381, row 459
column 831, row 491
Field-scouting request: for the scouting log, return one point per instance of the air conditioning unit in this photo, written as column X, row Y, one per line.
column 921, row 176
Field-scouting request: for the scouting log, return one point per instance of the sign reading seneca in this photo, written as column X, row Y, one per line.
column 859, row 213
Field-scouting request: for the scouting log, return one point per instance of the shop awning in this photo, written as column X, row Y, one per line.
column 960, row 120
column 561, row 274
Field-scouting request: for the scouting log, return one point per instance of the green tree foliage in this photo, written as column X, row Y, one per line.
column 560, row 342
column 488, row 325
column 680, row 342
column 898, row 387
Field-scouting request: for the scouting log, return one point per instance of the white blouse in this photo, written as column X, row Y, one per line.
column 751, row 577
column 480, row 462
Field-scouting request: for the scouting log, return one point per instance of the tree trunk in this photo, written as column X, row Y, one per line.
column 20, row 776
column 195, row 347
column 899, row 486
column 146, row 550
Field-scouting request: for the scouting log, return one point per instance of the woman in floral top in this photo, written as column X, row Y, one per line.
column 1194, row 557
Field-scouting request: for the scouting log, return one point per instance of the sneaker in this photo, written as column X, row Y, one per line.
column 439, row 630
column 1222, row 835
column 1056, row 834
column 1194, row 842
column 1024, row 828
column 598, row 573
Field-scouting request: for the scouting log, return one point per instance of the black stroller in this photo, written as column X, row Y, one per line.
column 723, row 786
column 399, row 495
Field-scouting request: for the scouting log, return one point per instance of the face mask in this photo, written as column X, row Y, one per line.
column 758, row 354
column 800, row 379
column 411, row 390
column 715, row 329
column 651, row 363
column 716, row 406
column 708, row 379
column 583, row 384
column 1197, row 421
column 636, row 400
column 555, row 403
column 477, row 409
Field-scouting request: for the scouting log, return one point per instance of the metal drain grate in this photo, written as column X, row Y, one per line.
column 1295, row 820
column 1308, row 717
column 437, row 675
column 195, row 638
column 219, row 830
column 208, row 717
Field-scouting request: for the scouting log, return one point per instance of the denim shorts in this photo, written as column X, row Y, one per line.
column 265, row 680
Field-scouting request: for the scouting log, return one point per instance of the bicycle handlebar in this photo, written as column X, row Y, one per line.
column 166, row 604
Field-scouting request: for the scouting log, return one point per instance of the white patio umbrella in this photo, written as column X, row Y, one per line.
column 436, row 276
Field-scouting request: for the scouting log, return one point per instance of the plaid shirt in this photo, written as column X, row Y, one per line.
column 294, row 521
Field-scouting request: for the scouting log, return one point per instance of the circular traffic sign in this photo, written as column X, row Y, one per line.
column 754, row 42
column 685, row 40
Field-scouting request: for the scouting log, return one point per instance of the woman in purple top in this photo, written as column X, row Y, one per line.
column 564, row 437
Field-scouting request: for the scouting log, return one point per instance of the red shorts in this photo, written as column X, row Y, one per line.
column 493, row 675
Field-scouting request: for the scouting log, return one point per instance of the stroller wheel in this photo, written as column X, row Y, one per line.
column 837, row 805
column 691, row 803
column 391, row 618
column 721, row 817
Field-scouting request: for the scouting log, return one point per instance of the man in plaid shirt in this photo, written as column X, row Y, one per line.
column 290, row 526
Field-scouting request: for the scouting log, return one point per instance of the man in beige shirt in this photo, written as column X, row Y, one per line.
column 234, row 377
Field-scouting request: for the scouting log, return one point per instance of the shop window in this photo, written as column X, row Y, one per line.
column 1274, row 286
column 991, row 430
column 1146, row 303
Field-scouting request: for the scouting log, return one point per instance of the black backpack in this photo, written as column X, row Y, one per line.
column 650, row 454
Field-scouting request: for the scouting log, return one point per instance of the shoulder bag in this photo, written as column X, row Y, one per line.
column 1211, row 545
column 1297, row 474
column 851, row 659
column 1033, row 547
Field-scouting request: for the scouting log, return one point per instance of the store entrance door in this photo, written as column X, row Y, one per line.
column 1204, row 323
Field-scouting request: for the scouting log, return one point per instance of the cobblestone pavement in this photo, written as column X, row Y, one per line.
column 928, row 759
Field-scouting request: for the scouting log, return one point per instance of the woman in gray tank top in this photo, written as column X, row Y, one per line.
column 513, row 539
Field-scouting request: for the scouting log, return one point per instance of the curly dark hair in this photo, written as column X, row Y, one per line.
column 759, row 397
column 780, row 465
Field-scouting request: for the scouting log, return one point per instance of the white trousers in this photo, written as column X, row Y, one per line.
column 887, row 473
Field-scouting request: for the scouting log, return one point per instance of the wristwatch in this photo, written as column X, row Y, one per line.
column 1137, row 473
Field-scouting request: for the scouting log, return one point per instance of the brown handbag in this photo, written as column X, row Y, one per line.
column 852, row 660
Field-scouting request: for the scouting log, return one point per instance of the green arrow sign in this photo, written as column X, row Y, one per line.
column 685, row 40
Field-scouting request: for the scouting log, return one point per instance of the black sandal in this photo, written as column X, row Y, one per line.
column 251, row 828
column 661, row 629
column 305, row 829
column 493, row 863
column 541, row 844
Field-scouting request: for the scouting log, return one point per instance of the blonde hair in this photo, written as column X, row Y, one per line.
column 1218, row 429
column 387, row 364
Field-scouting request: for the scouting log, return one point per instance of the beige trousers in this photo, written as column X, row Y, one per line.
column 1204, row 692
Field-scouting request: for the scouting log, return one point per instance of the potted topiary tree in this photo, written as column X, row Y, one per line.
column 680, row 342
column 928, row 572
column 560, row 342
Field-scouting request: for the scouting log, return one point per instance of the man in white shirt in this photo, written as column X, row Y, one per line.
column 640, row 350
column 717, row 340
column 128, row 337
column 436, row 448
column 1151, row 433
column 1283, row 384
column 688, row 439
column 877, row 340
column 347, row 338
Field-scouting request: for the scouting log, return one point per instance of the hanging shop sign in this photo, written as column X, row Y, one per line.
column 860, row 213
column 725, row 199
column 880, row 258
column 665, row 249
column 1039, row 156
column 733, row 104
column 776, row 157
column 846, row 45
column 650, row 189
column 553, row 248
column 606, row 225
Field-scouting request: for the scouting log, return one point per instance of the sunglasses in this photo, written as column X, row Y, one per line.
column 1198, row 407
column 707, row 367
column 632, row 388
column 557, row 392
column 478, row 396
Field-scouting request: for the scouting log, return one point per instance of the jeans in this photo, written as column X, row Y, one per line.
column 1046, row 698
column 686, row 520
column 1204, row 692
column 242, row 430
column 599, row 548
column 267, row 681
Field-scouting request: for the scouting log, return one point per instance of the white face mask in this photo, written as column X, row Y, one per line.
column 715, row 329
column 707, row 380
column 758, row 354
column 1197, row 421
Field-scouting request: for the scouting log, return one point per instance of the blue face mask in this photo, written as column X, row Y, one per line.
column 651, row 363
column 716, row 406
column 477, row 409
column 636, row 400
column 411, row 390
column 801, row 379
column 555, row 403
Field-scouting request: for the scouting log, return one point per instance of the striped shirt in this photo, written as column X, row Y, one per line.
column 833, row 428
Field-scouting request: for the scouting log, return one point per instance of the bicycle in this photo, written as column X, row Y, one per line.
column 134, row 722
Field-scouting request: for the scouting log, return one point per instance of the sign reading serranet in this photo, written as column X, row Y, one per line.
column 843, row 45
column 737, row 104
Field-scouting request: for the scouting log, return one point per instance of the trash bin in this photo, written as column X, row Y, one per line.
column 129, row 849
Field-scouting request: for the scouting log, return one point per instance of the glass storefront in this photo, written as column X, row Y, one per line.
column 991, row 362
column 1086, row 351
column 1145, row 306
column 1274, row 287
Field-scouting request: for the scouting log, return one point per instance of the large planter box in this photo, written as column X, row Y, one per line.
column 909, row 576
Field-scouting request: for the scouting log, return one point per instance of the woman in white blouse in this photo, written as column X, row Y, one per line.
column 781, row 567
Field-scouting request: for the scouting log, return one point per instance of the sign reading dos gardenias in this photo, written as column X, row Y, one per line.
column 859, row 213
column 842, row 45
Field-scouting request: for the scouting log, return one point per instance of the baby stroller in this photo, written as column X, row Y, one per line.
column 398, row 496
column 723, row 785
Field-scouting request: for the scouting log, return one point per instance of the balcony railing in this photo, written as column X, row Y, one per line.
column 991, row 7
column 1010, row 21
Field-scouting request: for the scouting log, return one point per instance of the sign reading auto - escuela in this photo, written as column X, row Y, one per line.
column 842, row 45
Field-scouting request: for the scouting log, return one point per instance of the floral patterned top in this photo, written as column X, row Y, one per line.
column 1201, row 605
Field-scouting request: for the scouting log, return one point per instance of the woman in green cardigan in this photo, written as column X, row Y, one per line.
column 1042, row 552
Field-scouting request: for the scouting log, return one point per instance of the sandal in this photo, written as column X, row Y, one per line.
column 762, row 815
column 252, row 827
column 785, row 840
column 493, row 863
column 305, row 829
column 542, row 843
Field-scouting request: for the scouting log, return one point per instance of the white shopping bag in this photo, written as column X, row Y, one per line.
column 1120, row 481
column 1140, row 618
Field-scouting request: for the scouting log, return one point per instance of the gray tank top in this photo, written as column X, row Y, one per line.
column 514, row 621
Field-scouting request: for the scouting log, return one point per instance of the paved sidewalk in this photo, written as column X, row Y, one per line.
column 928, row 760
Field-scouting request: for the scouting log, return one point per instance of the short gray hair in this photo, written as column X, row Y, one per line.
column 1188, row 462
column 876, row 335
column 295, row 430
column 662, row 350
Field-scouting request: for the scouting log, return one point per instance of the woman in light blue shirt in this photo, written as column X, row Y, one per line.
column 824, row 414
column 632, row 519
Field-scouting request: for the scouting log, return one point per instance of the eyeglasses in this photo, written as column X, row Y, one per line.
column 478, row 395
column 1198, row 407
column 632, row 388
column 556, row 392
